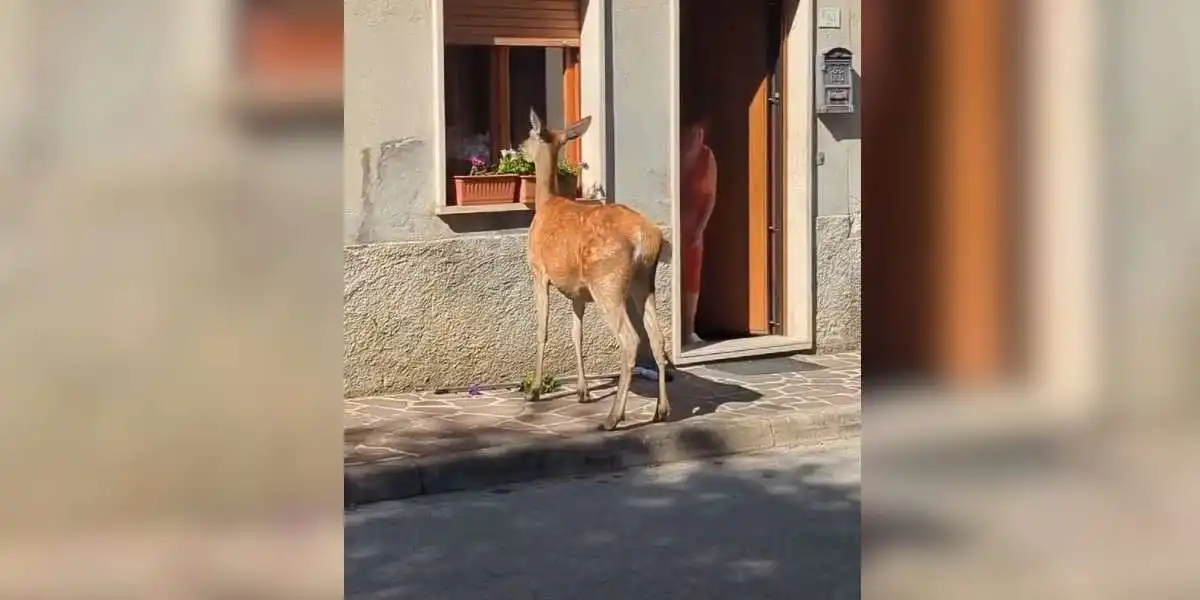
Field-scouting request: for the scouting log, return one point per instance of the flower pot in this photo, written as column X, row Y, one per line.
column 528, row 193
column 485, row 189
column 568, row 185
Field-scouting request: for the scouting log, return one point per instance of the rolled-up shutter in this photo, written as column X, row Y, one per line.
column 288, row 55
column 292, row 38
column 512, row 22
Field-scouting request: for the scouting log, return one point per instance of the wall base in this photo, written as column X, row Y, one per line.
column 839, row 283
column 456, row 312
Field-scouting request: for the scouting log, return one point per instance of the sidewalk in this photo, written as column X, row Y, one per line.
column 402, row 445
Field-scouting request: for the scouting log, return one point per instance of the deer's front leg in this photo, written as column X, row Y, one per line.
column 541, row 299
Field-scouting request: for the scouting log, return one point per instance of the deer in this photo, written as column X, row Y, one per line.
column 606, row 254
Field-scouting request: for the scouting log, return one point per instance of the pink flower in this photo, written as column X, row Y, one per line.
column 477, row 162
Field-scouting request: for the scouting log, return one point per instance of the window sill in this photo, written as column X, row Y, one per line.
column 483, row 208
column 476, row 209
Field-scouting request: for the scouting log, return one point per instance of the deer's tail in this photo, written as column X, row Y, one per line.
column 652, row 249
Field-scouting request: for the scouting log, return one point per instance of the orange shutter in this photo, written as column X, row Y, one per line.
column 291, row 40
column 512, row 22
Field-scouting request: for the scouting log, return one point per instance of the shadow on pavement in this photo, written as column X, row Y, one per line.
column 561, row 416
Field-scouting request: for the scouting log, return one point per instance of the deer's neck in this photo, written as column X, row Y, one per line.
column 546, row 175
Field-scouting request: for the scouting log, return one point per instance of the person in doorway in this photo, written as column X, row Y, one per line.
column 698, row 191
column 698, row 195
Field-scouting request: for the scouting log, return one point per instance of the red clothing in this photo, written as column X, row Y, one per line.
column 698, row 196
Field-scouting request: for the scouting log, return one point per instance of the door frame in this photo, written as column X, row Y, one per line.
column 798, row 183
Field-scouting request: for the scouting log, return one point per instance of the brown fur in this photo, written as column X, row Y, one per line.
column 601, row 253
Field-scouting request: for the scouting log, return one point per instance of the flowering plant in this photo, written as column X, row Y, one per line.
column 479, row 166
column 566, row 167
column 514, row 162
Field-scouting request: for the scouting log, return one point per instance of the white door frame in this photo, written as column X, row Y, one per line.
column 1064, row 164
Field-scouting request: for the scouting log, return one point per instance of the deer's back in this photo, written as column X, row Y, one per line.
column 578, row 244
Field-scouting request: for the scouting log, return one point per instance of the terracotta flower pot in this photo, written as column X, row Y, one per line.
column 485, row 189
column 568, row 185
column 528, row 192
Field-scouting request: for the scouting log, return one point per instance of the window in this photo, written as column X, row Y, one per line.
column 503, row 57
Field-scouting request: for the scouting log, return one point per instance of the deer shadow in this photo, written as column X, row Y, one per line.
column 690, row 395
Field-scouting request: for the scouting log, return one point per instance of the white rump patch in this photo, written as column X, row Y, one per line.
column 639, row 246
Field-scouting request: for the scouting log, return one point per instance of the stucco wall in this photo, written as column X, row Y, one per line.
column 641, row 52
column 457, row 311
column 839, row 200
column 441, row 300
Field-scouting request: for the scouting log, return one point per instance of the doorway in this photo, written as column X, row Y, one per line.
column 731, row 80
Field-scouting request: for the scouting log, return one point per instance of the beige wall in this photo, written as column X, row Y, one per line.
column 593, row 63
column 839, row 137
column 390, row 122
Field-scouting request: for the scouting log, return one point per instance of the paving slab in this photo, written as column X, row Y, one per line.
column 402, row 445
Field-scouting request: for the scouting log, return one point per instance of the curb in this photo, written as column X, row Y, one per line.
column 592, row 453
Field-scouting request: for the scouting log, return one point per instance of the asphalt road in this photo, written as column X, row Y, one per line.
column 780, row 525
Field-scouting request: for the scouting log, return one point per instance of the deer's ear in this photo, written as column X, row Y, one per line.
column 579, row 128
column 535, row 122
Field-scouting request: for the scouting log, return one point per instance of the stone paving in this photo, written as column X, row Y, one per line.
column 410, row 425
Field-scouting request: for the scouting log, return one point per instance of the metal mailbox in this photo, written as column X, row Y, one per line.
column 837, row 94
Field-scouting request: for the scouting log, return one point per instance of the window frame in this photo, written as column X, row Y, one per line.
column 501, row 96
column 572, row 98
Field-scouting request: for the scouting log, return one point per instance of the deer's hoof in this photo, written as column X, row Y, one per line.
column 610, row 424
column 583, row 396
column 662, row 415
column 533, row 395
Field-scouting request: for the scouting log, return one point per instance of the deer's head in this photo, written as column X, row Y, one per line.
column 543, row 144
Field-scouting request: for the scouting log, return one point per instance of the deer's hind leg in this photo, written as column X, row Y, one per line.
column 610, row 300
column 644, row 296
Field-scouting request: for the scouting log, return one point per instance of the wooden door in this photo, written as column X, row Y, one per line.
column 725, row 75
column 758, row 193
